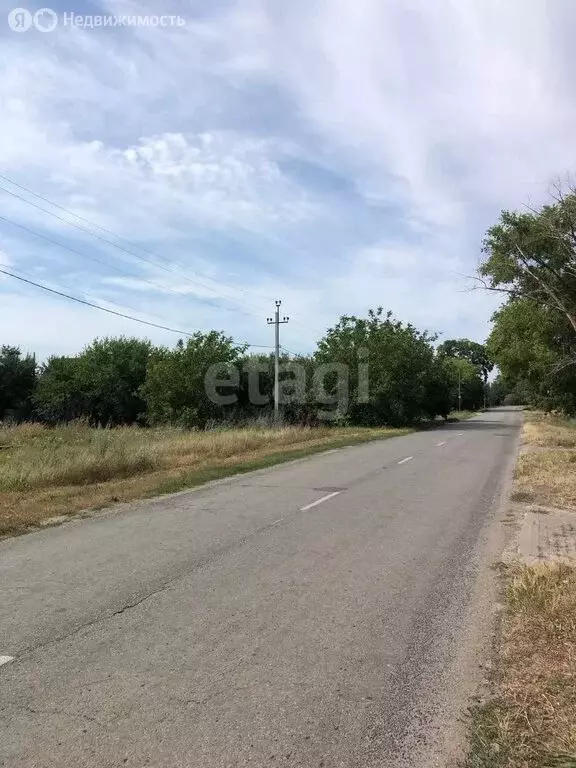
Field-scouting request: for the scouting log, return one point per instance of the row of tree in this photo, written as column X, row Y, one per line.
column 530, row 257
column 373, row 370
column 390, row 373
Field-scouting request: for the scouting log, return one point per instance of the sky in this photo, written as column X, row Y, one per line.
column 335, row 154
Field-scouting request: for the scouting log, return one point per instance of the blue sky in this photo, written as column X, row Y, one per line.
column 336, row 154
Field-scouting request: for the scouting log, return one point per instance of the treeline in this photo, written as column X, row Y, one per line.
column 365, row 371
column 531, row 258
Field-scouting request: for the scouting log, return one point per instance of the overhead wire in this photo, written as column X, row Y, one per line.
column 86, row 256
column 163, row 288
column 112, row 311
column 163, row 262
column 135, row 245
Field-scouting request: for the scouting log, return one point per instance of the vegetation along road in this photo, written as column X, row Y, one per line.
column 320, row 613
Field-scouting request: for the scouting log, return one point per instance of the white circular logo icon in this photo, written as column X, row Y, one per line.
column 19, row 20
column 45, row 20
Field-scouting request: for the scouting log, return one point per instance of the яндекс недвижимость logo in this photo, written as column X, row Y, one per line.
column 21, row 20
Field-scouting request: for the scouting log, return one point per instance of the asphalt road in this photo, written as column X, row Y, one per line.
column 322, row 613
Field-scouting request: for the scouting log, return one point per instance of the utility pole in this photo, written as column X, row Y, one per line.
column 276, row 322
column 459, row 391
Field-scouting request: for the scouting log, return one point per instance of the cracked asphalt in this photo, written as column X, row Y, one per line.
column 325, row 612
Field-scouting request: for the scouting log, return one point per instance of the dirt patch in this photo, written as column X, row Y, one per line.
column 545, row 535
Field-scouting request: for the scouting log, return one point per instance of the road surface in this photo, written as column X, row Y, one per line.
column 313, row 614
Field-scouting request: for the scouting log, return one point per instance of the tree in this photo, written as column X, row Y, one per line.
column 532, row 345
column 175, row 389
column 102, row 384
column 497, row 392
column 398, row 359
column 57, row 396
column 476, row 354
column 17, row 381
column 532, row 255
column 466, row 386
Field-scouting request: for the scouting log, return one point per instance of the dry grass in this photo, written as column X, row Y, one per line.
column 532, row 720
column 546, row 473
column 47, row 472
column 549, row 431
column 547, row 478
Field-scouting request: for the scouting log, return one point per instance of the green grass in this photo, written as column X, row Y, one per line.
column 489, row 746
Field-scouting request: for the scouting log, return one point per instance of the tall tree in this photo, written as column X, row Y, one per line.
column 17, row 381
column 476, row 354
column 102, row 384
column 58, row 396
column 175, row 389
column 532, row 255
column 466, row 386
column 533, row 346
column 399, row 365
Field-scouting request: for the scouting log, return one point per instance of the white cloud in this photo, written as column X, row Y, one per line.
column 464, row 103
column 5, row 260
column 434, row 115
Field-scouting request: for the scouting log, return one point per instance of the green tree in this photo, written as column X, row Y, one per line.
column 111, row 374
column 17, row 382
column 57, row 396
column 102, row 384
column 497, row 391
column 474, row 353
column 175, row 389
column 532, row 255
column 466, row 385
column 531, row 258
column 400, row 362
column 533, row 345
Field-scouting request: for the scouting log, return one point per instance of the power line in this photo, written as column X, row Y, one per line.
column 294, row 354
column 108, row 242
column 126, row 240
column 85, row 295
column 114, row 234
column 90, row 304
column 110, row 311
column 85, row 256
column 119, row 270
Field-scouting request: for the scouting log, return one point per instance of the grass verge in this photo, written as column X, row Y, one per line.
column 549, row 431
column 547, row 478
column 530, row 719
column 52, row 472
column 546, row 469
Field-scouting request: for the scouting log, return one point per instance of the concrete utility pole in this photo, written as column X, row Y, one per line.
column 459, row 391
column 276, row 322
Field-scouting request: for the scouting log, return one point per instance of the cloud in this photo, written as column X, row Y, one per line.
column 464, row 104
column 338, row 154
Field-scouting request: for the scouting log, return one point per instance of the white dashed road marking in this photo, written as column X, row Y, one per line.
column 319, row 501
column 405, row 460
column 5, row 659
column 442, row 443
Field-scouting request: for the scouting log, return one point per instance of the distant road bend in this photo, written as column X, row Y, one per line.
column 313, row 614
